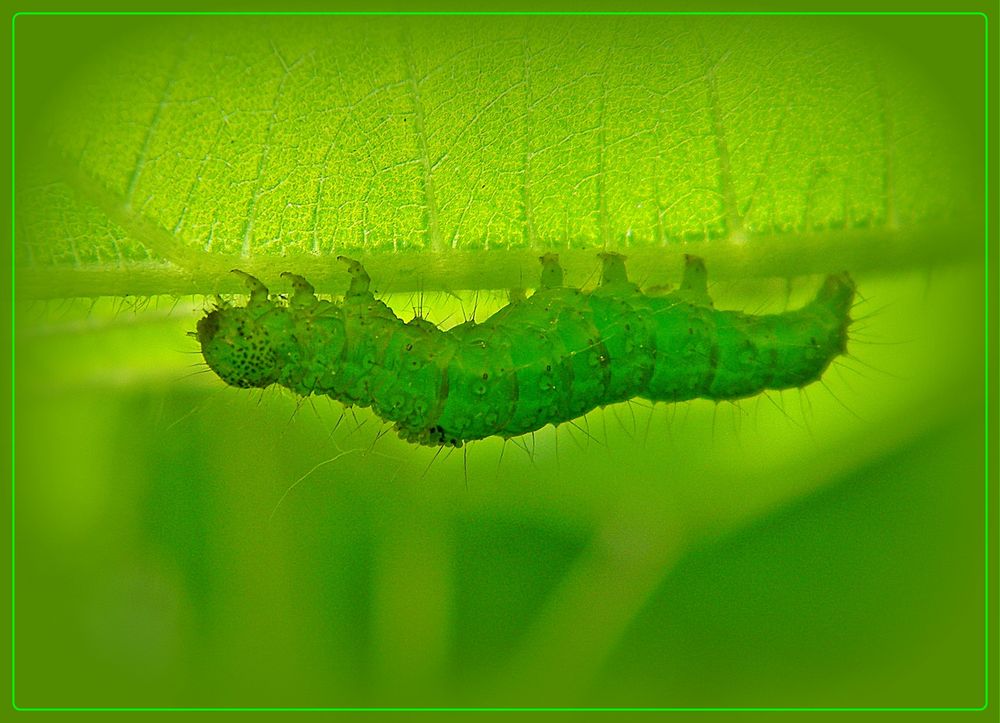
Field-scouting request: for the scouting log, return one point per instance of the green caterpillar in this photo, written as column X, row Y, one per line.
column 545, row 359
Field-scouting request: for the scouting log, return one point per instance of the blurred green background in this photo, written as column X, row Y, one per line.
column 180, row 543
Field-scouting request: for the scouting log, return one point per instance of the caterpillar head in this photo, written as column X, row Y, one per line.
column 238, row 347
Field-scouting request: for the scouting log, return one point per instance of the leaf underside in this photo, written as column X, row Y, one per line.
column 449, row 152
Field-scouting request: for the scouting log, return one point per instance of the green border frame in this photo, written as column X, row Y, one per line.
column 986, row 331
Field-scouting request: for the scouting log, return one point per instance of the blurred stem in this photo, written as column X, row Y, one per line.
column 631, row 553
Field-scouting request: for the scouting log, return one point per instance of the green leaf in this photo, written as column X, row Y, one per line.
column 448, row 151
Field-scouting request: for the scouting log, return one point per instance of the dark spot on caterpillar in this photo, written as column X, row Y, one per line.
column 438, row 397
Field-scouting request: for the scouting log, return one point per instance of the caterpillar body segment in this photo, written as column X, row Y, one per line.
column 542, row 359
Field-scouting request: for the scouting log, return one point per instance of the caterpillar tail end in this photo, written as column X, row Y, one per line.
column 837, row 293
column 836, row 297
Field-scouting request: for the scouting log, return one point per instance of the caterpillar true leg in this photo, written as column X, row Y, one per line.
column 258, row 292
column 304, row 293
